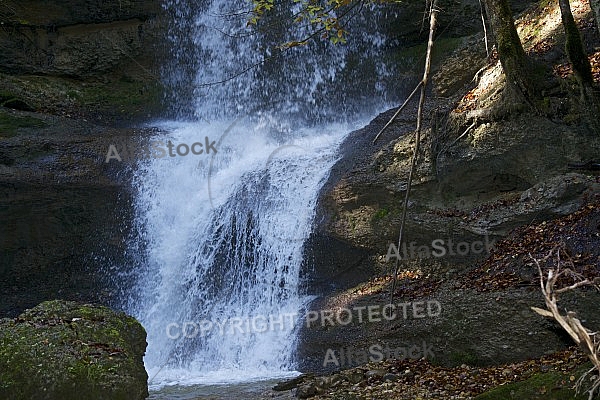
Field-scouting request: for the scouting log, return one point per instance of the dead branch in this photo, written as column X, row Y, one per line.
column 432, row 23
column 485, row 35
column 398, row 111
column 585, row 338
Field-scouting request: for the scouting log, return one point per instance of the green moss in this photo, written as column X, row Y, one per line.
column 380, row 214
column 126, row 79
column 123, row 95
column 66, row 349
column 6, row 95
column 74, row 95
column 464, row 357
column 542, row 386
column 126, row 97
column 10, row 124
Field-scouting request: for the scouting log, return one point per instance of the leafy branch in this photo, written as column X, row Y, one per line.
column 321, row 14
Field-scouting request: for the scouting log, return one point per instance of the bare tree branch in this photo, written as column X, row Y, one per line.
column 432, row 24
column 585, row 338
column 398, row 111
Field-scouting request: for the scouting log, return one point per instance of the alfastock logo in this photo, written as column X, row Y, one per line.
column 126, row 151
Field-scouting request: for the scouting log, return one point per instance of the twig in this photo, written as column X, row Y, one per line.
column 278, row 51
column 585, row 338
column 487, row 51
column 432, row 23
column 398, row 112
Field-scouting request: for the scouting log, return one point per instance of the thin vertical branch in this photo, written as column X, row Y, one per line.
column 485, row 36
column 432, row 23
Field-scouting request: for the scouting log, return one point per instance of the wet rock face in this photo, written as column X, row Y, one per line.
column 64, row 211
column 72, row 38
column 503, row 173
column 72, row 12
column 67, row 350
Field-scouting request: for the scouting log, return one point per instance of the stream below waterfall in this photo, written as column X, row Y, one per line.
column 229, row 391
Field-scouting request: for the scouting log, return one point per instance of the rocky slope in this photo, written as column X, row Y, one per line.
column 490, row 170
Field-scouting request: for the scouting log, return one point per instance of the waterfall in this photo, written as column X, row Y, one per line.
column 226, row 243
column 222, row 232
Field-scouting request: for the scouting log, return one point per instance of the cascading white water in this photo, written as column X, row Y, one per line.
column 229, row 250
column 223, row 233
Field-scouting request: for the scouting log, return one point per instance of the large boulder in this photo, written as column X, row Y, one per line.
column 67, row 350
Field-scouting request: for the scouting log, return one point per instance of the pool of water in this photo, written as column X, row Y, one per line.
column 237, row 391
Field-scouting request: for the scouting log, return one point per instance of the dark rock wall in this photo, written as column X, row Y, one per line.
column 73, row 38
column 69, row 69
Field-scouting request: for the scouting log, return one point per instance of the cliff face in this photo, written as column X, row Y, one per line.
column 73, row 38
column 69, row 69
column 83, row 57
column 489, row 170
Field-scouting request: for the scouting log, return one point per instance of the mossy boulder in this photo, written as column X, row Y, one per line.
column 68, row 350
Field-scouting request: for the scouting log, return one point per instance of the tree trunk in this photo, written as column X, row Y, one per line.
column 515, row 62
column 574, row 46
